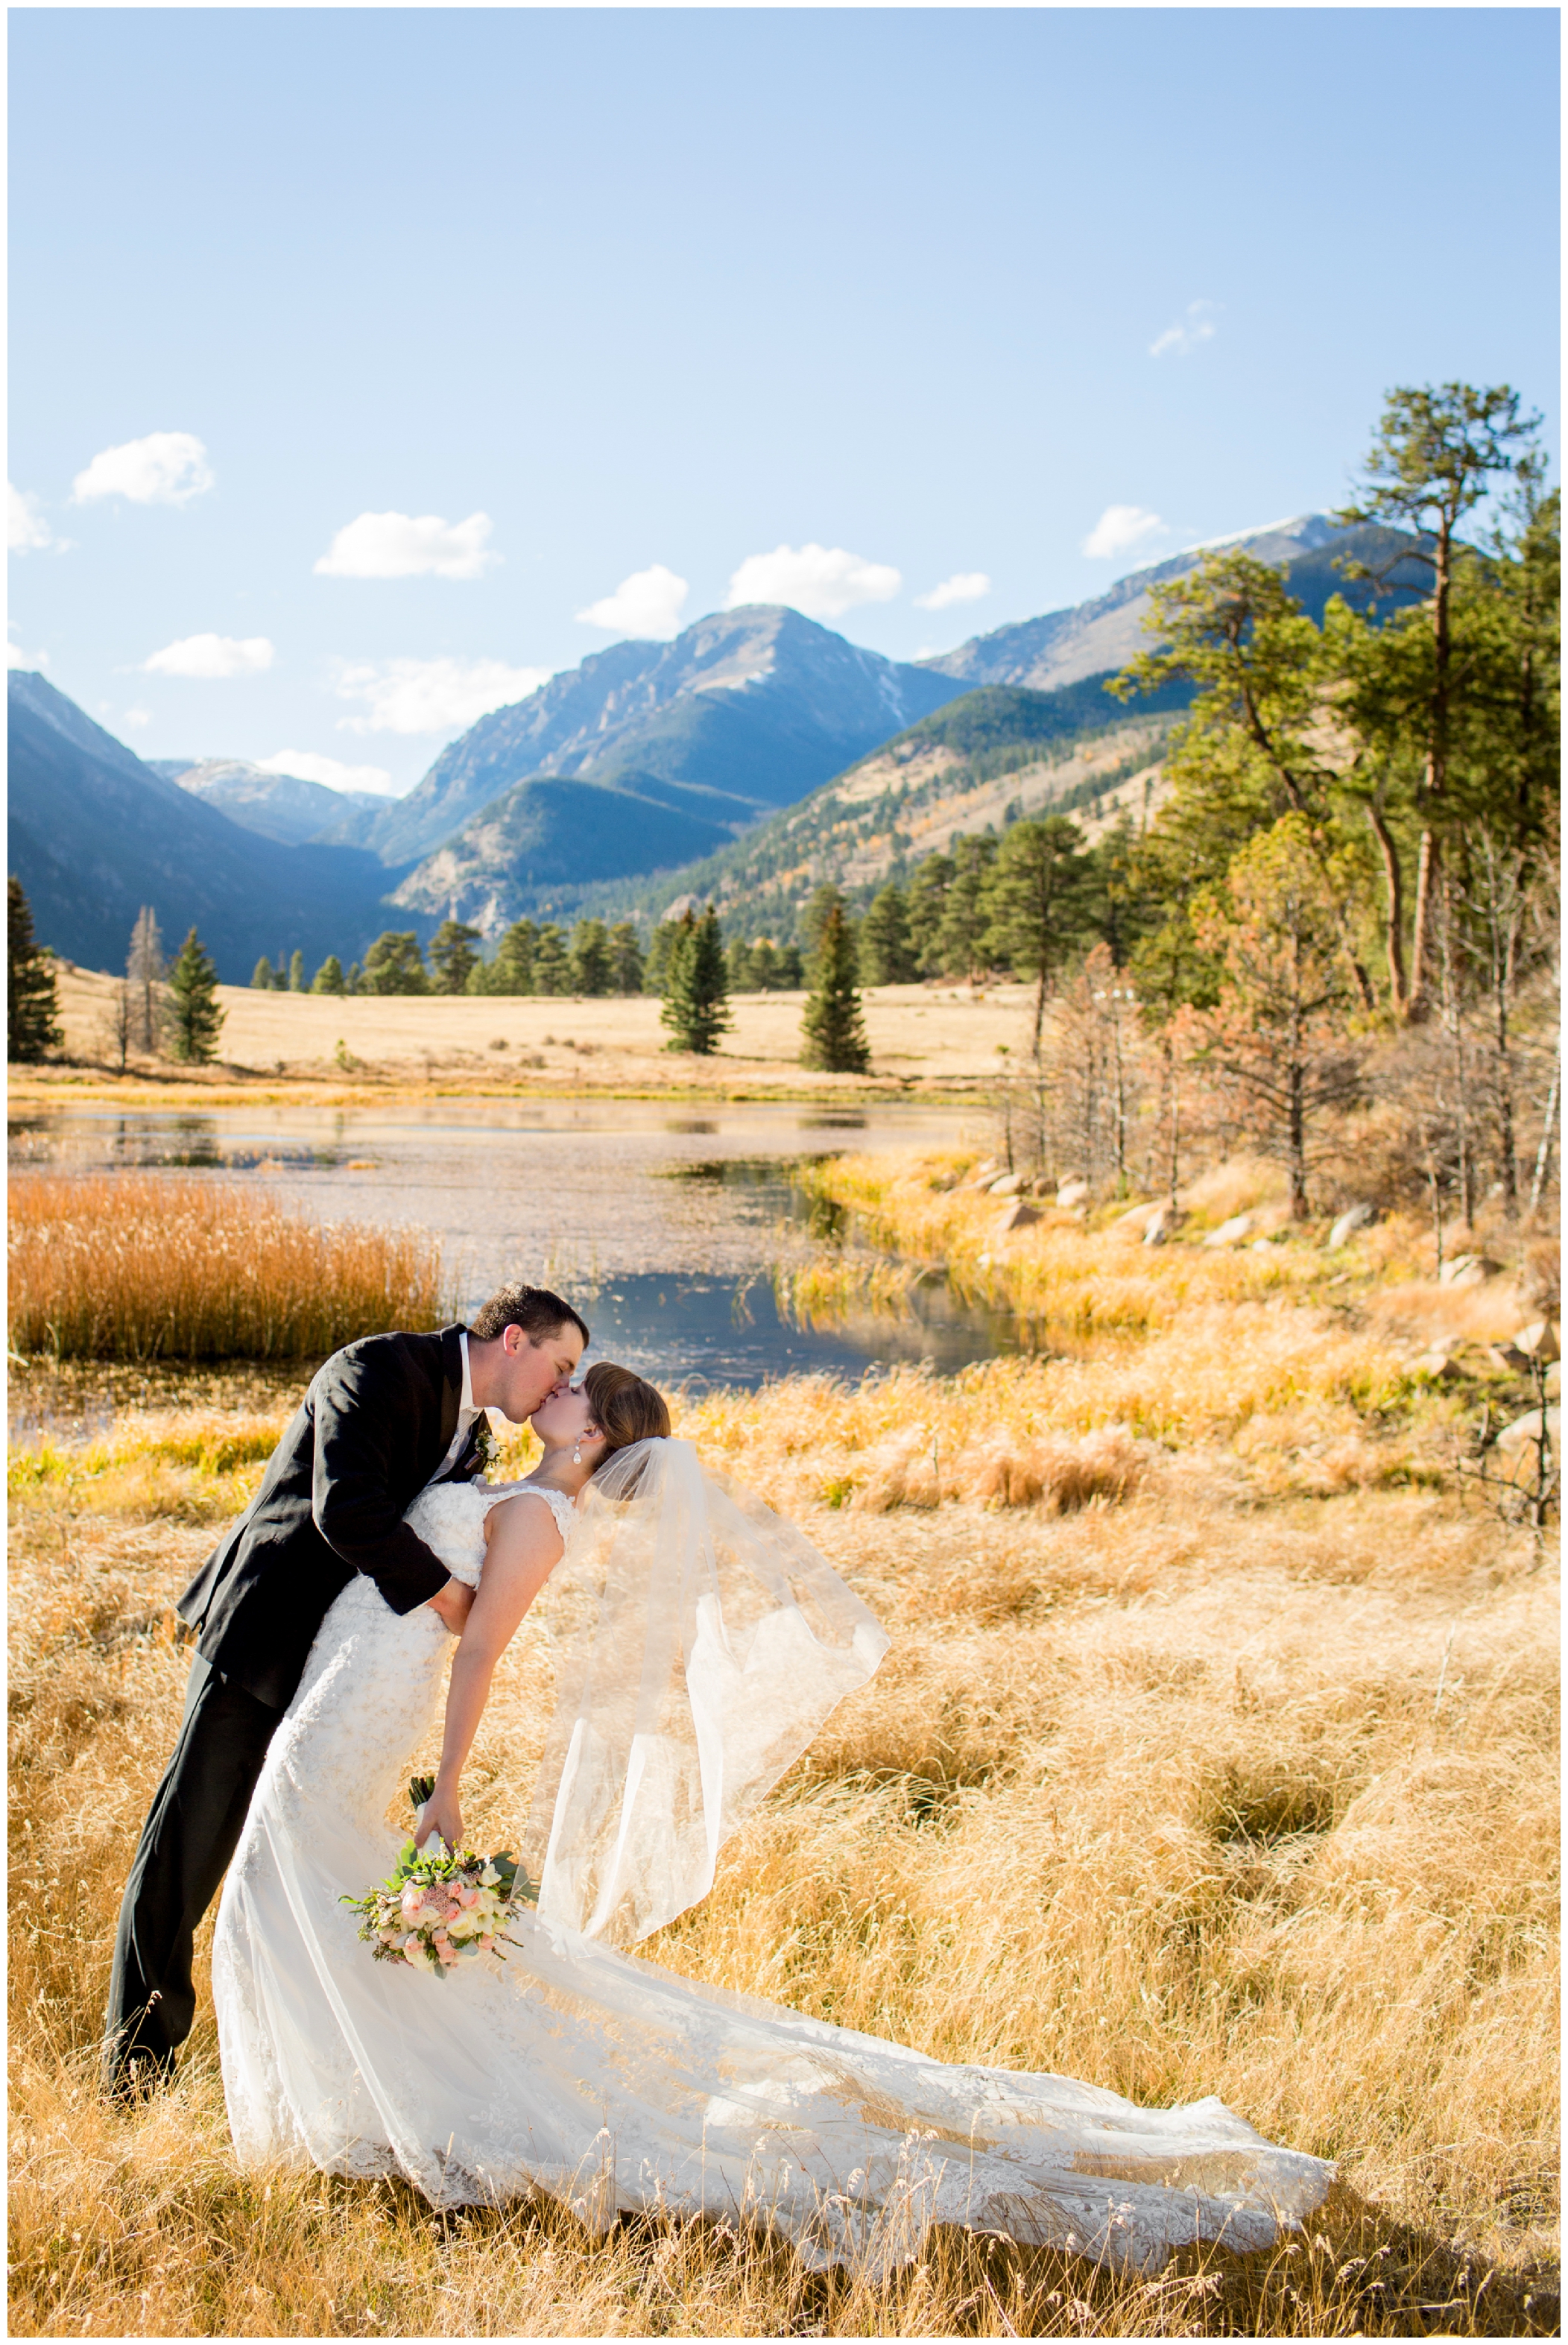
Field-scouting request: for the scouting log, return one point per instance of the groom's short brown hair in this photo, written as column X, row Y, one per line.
column 534, row 1309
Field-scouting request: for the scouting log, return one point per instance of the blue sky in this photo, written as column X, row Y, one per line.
column 356, row 353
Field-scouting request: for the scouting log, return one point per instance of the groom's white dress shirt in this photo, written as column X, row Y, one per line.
column 467, row 1412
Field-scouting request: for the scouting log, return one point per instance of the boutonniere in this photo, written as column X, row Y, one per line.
column 485, row 1441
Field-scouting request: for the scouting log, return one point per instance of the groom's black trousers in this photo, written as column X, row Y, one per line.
column 191, row 1834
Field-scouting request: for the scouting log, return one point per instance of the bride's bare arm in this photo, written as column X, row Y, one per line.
column 524, row 1547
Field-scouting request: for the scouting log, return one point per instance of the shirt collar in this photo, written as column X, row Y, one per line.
column 466, row 1406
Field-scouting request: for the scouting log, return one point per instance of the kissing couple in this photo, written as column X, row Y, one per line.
column 708, row 1641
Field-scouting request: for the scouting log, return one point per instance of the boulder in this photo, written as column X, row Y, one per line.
column 1017, row 1217
column 1231, row 1233
column 1007, row 1186
column 1436, row 1369
column 1354, row 1218
column 1538, row 1342
column 1161, row 1226
column 1468, row 1270
column 1073, row 1192
column 1526, row 1429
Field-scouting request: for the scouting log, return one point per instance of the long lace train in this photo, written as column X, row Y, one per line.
column 614, row 2084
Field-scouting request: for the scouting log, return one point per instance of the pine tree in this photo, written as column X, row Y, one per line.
column 195, row 1019
column 626, row 971
column 696, row 986
column 329, row 978
column 297, row 971
column 833, row 1026
column 963, row 941
column 551, row 966
column 32, row 999
column 395, row 964
column 452, row 956
column 887, row 955
column 666, row 932
column 261, row 975
column 1037, row 902
column 592, row 971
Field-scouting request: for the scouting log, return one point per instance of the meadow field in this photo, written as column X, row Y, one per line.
column 1215, row 1752
column 942, row 1041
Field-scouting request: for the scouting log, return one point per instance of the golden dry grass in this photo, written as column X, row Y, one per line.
column 942, row 1040
column 1177, row 1778
column 143, row 1267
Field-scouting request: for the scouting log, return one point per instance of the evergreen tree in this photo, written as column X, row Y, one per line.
column 1037, row 902
column 31, row 997
column 666, row 934
column 696, row 987
column 832, row 1024
column 927, row 902
column 452, row 956
column 146, row 969
column 551, row 966
column 297, row 973
column 741, row 962
column 510, row 971
column 395, row 964
column 963, row 940
column 195, row 1019
column 592, row 969
column 1432, row 462
column 626, row 972
column 329, row 978
column 887, row 954
column 261, row 975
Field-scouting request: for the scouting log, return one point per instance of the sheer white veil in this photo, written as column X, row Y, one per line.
column 703, row 1642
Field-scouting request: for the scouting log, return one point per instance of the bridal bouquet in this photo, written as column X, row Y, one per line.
column 442, row 1906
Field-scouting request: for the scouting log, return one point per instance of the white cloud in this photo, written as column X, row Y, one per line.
column 1118, row 529
column 1195, row 325
column 209, row 657
column 964, row 586
column 167, row 468
column 397, row 545
column 646, row 603
column 820, row 580
column 135, row 719
column 26, row 530
column 432, row 695
column 16, row 658
column 331, row 772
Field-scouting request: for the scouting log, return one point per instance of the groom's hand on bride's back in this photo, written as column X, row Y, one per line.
column 453, row 1604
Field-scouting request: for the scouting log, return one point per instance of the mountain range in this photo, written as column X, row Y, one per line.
column 282, row 806
column 95, row 834
column 651, row 770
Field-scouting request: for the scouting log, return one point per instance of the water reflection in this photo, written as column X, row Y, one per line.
column 666, row 1228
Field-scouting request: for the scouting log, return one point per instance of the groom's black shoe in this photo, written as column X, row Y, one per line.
column 133, row 2071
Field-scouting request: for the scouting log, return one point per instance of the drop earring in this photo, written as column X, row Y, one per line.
column 577, row 1451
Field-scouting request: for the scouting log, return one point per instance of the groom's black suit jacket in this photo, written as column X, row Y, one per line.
column 372, row 1428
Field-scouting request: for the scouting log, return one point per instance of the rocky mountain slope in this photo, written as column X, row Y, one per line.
column 750, row 709
column 986, row 759
column 1064, row 647
column 95, row 834
column 281, row 806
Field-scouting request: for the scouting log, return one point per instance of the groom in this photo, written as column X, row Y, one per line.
column 382, row 1420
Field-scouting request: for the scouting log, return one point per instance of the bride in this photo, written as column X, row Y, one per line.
column 711, row 1641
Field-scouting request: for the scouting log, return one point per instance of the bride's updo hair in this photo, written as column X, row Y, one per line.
column 628, row 1408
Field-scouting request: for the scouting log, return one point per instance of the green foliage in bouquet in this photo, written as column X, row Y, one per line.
column 442, row 1906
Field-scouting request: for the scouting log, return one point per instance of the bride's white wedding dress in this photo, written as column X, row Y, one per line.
column 580, row 2071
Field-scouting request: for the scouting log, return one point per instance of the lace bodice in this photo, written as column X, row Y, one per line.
column 450, row 1517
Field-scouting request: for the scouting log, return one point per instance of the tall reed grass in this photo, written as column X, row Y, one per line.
column 137, row 1267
